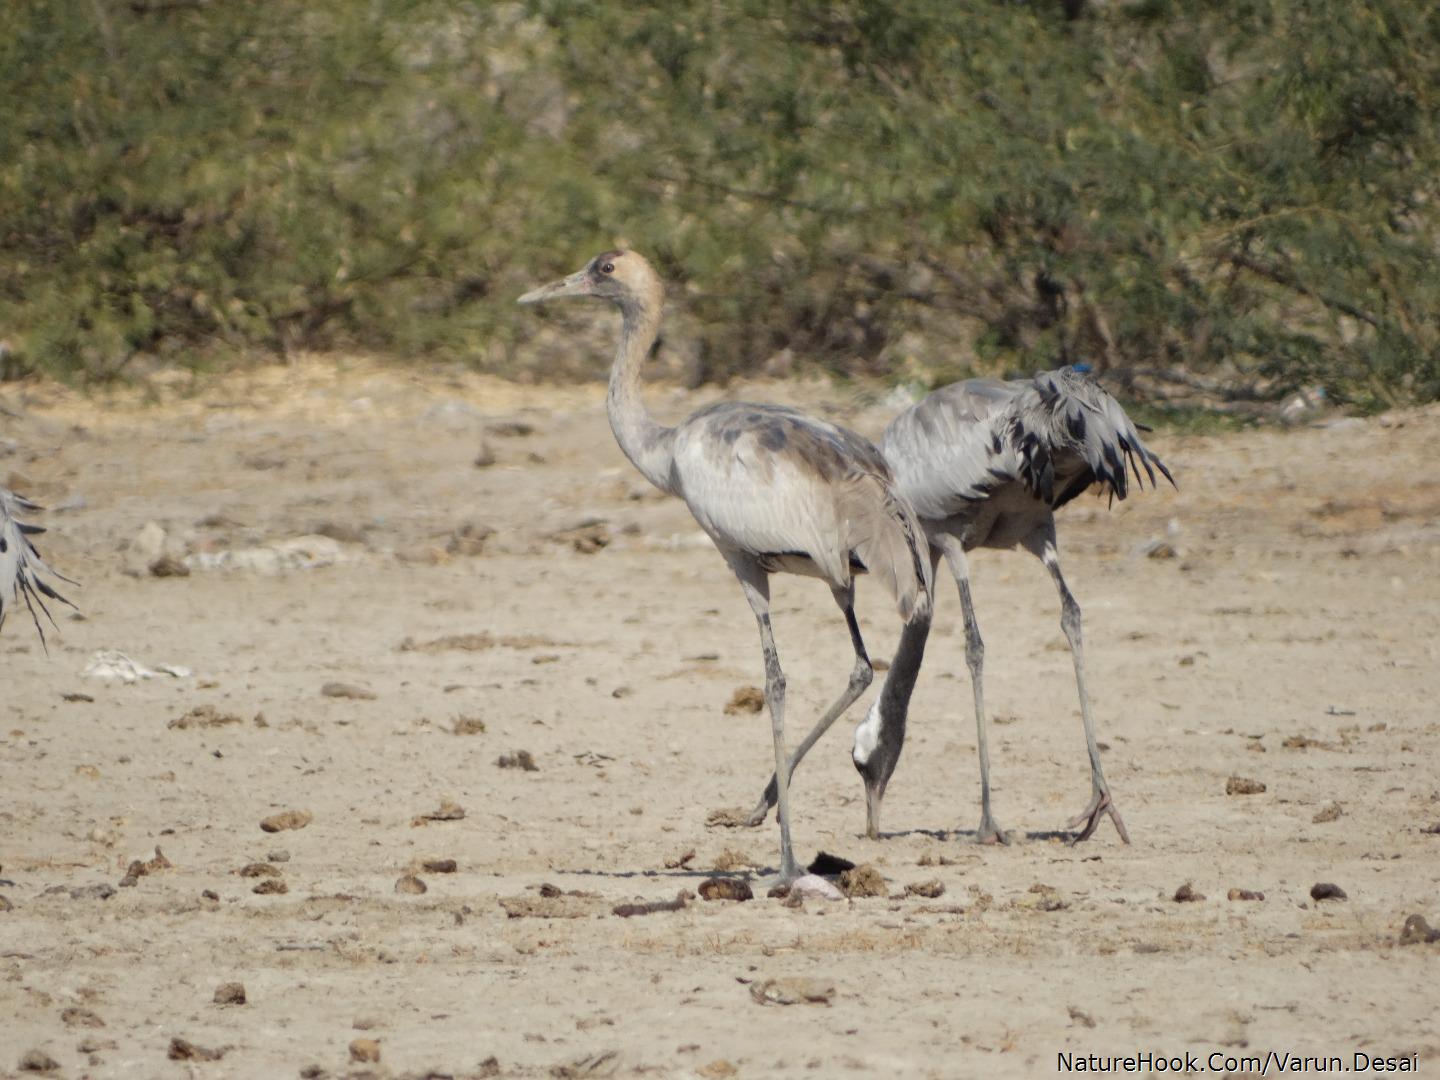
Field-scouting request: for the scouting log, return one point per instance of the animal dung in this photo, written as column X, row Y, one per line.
column 862, row 881
column 230, row 993
column 725, row 889
column 287, row 819
column 520, row 759
column 1326, row 890
column 1186, row 894
column 1243, row 785
column 438, row 866
column 928, row 889
column 792, row 991
column 745, row 699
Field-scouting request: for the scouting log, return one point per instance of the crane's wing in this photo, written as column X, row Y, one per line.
column 776, row 484
column 20, row 564
column 945, row 450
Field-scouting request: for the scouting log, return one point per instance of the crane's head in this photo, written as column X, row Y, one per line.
column 622, row 277
column 878, row 740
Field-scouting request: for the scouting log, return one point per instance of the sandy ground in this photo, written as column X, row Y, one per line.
column 1293, row 640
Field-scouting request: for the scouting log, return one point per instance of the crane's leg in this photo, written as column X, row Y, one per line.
column 954, row 551
column 860, row 677
column 756, row 584
column 1041, row 544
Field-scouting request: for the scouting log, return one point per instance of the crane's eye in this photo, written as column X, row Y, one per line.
column 607, row 268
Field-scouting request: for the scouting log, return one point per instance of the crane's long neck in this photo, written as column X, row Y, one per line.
column 650, row 446
column 894, row 700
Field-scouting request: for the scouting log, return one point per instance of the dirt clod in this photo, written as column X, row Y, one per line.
column 725, row 889
column 411, row 885
column 1243, row 785
column 438, row 866
column 1326, row 890
column 520, row 759
column 353, row 691
column 680, row 860
column 169, row 566
column 75, row 1016
column 1332, row 812
column 271, row 887
column 467, row 725
column 287, row 819
column 38, row 1061
column 366, row 1051
column 258, row 869
column 1186, row 894
column 230, row 993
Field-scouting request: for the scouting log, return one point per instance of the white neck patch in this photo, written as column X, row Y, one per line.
column 867, row 734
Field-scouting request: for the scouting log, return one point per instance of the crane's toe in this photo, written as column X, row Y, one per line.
column 990, row 833
column 1088, row 820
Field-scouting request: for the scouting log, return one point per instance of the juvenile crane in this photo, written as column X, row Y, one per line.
column 778, row 492
column 20, row 564
column 987, row 463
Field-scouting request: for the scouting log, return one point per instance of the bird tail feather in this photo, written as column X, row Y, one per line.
column 1067, row 418
column 21, row 565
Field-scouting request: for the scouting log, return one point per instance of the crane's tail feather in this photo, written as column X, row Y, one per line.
column 886, row 534
column 22, row 570
column 1070, row 433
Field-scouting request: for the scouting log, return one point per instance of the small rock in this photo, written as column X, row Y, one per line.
column 38, row 1061
column 792, row 991
column 928, row 889
column 271, row 887
column 364, row 1050
column 745, row 699
column 210, row 894
column 438, row 866
column 230, row 993
column 1185, row 894
column 1245, row 894
column 725, row 889
column 1328, row 813
column 185, row 1050
column 411, row 885
column 287, row 819
column 1242, row 785
column 467, row 725
column 813, row 887
column 1418, row 932
column 169, row 566
column 863, row 880
column 520, row 759
column 347, row 690
column 1325, row 890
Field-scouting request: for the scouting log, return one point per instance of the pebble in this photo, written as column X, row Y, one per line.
column 1325, row 890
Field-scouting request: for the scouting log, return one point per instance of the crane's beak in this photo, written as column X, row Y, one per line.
column 874, row 793
column 577, row 284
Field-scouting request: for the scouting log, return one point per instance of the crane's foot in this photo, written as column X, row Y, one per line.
column 1088, row 820
column 765, row 805
column 790, row 872
column 989, row 832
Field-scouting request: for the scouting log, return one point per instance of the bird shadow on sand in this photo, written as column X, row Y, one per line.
column 970, row 836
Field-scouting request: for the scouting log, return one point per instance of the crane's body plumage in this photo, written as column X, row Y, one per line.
column 23, row 572
column 778, row 492
column 986, row 463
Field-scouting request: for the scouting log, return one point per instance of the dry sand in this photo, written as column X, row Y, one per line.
column 1292, row 640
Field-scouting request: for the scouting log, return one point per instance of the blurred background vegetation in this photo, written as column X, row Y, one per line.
column 1235, row 193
